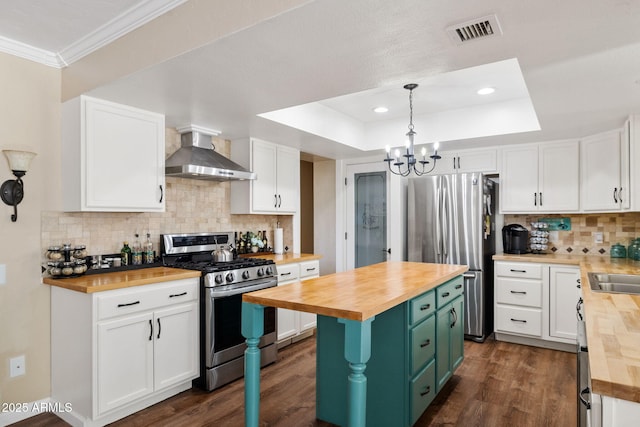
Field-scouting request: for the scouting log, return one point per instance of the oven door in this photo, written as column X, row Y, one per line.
column 223, row 340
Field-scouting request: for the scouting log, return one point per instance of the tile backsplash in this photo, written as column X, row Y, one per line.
column 615, row 228
column 191, row 206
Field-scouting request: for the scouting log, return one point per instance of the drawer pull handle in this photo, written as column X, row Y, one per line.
column 424, row 307
column 458, row 286
column 518, row 320
column 425, row 343
column 285, row 274
column 178, row 295
column 446, row 294
column 150, row 329
column 426, row 391
column 518, row 271
column 311, row 269
column 519, row 292
column 128, row 304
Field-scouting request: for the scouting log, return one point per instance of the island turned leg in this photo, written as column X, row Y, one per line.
column 357, row 350
column 252, row 330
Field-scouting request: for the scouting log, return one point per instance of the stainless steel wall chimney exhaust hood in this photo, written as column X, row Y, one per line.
column 196, row 159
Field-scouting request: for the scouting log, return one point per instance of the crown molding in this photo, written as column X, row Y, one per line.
column 122, row 24
column 23, row 50
column 129, row 20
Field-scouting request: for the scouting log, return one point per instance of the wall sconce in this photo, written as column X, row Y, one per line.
column 11, row 190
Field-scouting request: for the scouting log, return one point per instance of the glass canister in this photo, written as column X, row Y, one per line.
column 618, row 251
column 633, row 251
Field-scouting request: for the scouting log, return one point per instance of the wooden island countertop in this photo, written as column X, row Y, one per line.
column 612, row 323
column 358, row 294
column 99, row 282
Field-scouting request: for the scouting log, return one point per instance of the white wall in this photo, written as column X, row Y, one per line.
column 324, row 214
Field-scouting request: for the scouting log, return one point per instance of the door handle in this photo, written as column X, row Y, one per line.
column 540, row 198
column 279, row 201
column 615, row 194
column 620, row 194
column 387, row 250
column 150, row 329
column 161, row 194
column 535, row 199
column 275, row 198
column 159, row 328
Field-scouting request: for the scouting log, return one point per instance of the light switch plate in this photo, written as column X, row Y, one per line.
column 3, row 274
column 598, row 238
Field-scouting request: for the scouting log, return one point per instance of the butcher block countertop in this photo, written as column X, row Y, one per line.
column 122, row 279
column 358, row 294
column 613, row 324
column 287, row 258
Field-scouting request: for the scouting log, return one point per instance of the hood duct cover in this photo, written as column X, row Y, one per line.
column 196, row 159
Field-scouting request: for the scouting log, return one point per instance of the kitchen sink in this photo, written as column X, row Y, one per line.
column 614, row 283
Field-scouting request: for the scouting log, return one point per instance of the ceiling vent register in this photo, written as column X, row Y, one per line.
column 475, row 29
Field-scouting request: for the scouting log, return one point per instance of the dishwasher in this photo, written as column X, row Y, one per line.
column 589, row 404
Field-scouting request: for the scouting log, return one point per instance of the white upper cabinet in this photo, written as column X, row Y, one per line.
column 275, row 190
column 604, row 166
column 540, row 178
column 482, row 160
column 112, row 157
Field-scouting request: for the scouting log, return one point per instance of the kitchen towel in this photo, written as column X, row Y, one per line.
column 277, row 241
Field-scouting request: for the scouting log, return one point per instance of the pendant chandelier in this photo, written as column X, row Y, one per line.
column 411, row 161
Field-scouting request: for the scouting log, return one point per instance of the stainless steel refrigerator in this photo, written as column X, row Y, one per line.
column 450, row 220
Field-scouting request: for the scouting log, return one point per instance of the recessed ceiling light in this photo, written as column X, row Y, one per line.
column 486, row 91
column 381, row 109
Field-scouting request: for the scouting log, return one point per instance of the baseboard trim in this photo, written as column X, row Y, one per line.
column 516, row 339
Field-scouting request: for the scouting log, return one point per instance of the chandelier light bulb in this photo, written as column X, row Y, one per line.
column 424, row 151
column 397, row 153
column 387, row 148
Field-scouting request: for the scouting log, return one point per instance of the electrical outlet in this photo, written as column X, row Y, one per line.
column 598, row 238
column 17, row 366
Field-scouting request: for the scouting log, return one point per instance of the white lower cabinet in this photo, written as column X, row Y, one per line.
column 130, row 348
column 294, row 324
column 535, row 302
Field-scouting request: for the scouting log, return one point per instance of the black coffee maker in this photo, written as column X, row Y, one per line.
column 515, row 239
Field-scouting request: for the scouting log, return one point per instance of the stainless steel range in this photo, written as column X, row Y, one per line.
column 222, row 285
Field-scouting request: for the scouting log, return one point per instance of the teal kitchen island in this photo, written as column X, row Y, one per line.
column 389, row 336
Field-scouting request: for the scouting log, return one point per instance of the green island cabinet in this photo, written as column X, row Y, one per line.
column 416, row 347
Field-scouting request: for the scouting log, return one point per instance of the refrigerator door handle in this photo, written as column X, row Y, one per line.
column 438, row 238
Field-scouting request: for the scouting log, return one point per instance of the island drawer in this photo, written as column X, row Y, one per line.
column 519, row 269
column 288, row 272
column 520, row 320
column 423, row 390
column 449, row 291
column 422, row 306
column 519, row 292
column 423, row 343
column 309, row 269
column 137, row 299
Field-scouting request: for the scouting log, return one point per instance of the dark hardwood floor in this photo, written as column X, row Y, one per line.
column 498, row 384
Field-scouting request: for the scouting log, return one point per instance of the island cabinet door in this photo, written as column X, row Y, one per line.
column 457, row 334
column 443, row 347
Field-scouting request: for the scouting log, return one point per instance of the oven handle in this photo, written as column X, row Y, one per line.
column 244, row 289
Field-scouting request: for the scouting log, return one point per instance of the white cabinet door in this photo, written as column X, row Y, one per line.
column 176, row 358
column 563, row 282
column 276, row 188
column 264, row 190
column 559, row 177
column 477, row 161
column 288, row 320
column 288, row 179
column 446, row 165
column 600, row 164
column 519, row 179
column 125, row 360
column 113, row 157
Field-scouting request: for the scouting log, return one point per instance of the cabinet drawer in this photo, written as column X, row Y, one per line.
column 519, row 269
column 519, row 292
column 423, row 343
column 309, row 269
column 520, row 320
column 423, row 390
column 422, row 306
column 449, row 291
column 288, row 272
column 149, row 297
